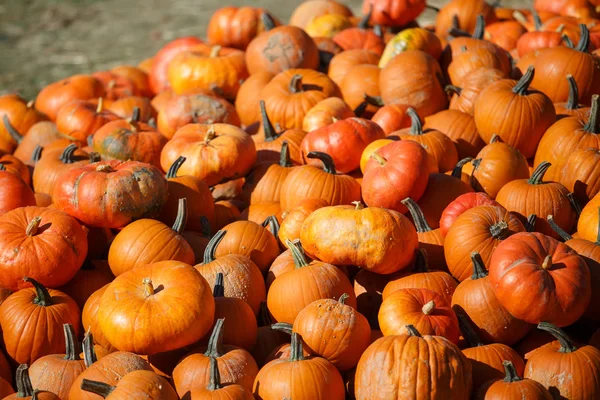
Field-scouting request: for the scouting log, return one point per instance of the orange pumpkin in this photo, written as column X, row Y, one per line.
column 237, row 26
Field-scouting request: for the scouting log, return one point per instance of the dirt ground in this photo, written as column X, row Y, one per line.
column 42, row 41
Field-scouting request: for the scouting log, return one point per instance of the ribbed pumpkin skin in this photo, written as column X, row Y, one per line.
column 389, row 368
column 487, row 360
column 581, row 174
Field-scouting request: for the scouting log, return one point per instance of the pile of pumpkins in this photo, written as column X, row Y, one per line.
column 340, row 207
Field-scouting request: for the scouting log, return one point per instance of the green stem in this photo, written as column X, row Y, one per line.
column 479, row 28
column 500, row 230
column 574, row 203
column 537, row 21
column 300, row 260
column 205, row 227
column 421, row 264
column 100, row 388
column 67, row 155
column 24, row 387
column 219, row 289
column 568, row 41
column 328, row 165
column 479, row 270
column 264, row 316
column 573, row 101
column 416, row 126
column 417, row 215
column 467, row 329
column 182, row 216
column 174, row 168
column 284, row 157
column 37, row 154
column 297, row 353
column 268, row 128
column 273, row 225
column 530, row 224
column 560, row 231
column 42, row 297
column 12, row 131
column 343, row 298
column 89, row 353
column 71, row 344
column 296, row 84
column 364, row 22
column 211, row 247
column 523, row 84
column 511, row 372
column 267, row 21
column 457, row 170
column 412, row 331
column 282, row 327
column 374, row 100
column 214, row 382
column 215, row 342
column 593, row 124
column 566, row 344
column 451, row 89
column 537, row 177
column 584, row 40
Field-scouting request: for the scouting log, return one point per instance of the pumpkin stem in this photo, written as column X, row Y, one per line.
column 298, row 255
column 421, row 264
column 2, row 167
column 214, row 382
column 343, row 298
column 282, row 327
column 574, row 203
column 537, row 177
column 530, row 224
column 378, row 31
column 100, row 106
column 12, row 131
column 566, row 344
column 359, row 111
column 42, row 297
column 417, row 215
column 454, row 30
column 511, row 372
column 466, row 327
column 297, row 353
column 523, row 84
column 211, row 247
column 71, row 345
column 89, row 353
column 560, row 231
column 593, row 124
column 479, row 30
column 358, row 205
column 567, row 41
column 495, row 138
column 135, row 115
column 148, row 287
column 105, row 168
column 32, row 227
column 284, row 156
column 264, row 316
column 499, row 230
column 24, row 387
column 416, row 126
column 94, row 157
column 547, row 263
column 214, row 51
column 219, row 289
column 37, row 154
column 428, row 308
column 267, row 21
column 67, row 155
column 172, row 172
column 182, row 216
column 364, row 22
column 328, row 165
column 573, row 101
column 451, row 89
column 433, row 8
column 479, row 270
column 100, row 388
column 205, row 227
column 412, row 331
column 296, row 84
column 584, row 39
column 273, row 224
column 457, row 170
column 269, row 130
column 210, row 134
column 374, row 100
column 380, row 160
column 215, row 342
column 537, row 21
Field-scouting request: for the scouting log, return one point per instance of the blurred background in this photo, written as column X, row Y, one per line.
column 42, row 41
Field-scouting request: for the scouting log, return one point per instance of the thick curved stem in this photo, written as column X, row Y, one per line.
column 412, row 331
column 374, row 100
column 467, row 329
column 300, row 260
column 457, row 170
column 479, row 270
column 215, row 342
column 297, row 353
column 523, row 84
column 219, row 289
column 12, row 131
column 421, row 263
column 343, row 298
column 537, row 21
column 593, row 124
column 451, row 89
column 530, row 224
column 273, row 224
column 479, row 27
column 267, row 21
column 67, row 155
column 284, row 157
column 269, row 130
column 296, row 84
column 205, row 227
column 573, row 101
column 264, row 316
column 100, row 388
column 182, row 216
column 328, row 165
column 214, row 381
column 537, row 177
column 574, row 203
column 282, row 327
column 24, row 387
column 211, row 247
column 416, row 126
column 71, row 344
column 568, row 41
column 417, row 215
column 89, row 353
column 511, row 372
column 564, row 235
column 37, row 154
column 359, row 111
column 500, row 230
column 584, row 39
column 42, row 297
column 566, row 344
column 174, row 168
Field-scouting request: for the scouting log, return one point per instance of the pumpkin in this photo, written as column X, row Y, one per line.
column 425, row 309
column 580, row 174
column 243, row 279
column 333, row 330
column 215, row 152
column 92, row 276
column 344, row 61
column 267, row 339
column 396, row 171
column 136, row 383
column 546, row 364
column 269, row 143
column 528, row 261
column 325, row 112
column 496, row 165
column 479, row 229
column 387, row 238
column 136, row 290
column 343, row 140
column 259, row 212
column 25, row 389
column 463, row 14
column 53, row 97
column 461, row 204
column 464, row 97
column 129, row 140
column 490, row 320
column 513, row 386
column 486, row 359
column 264, row 183
column 511, row 98
column 56, row 373
column 216, row 390
column 147, row 241
column 534, row 196
column 198, row 240
column 125, row 107
column 18, row 115
column 158, row 75
column 393, row 13
column 309, row 181
column 553, row 64
column 439, row 146
column 205, row 67
column 115, row 86
column 6, row 388
column 430, row 239
column 280, row 49
column 504, row 34
column 539, row 38
column 572, row 107
column 567, row 135
column 225, row 213
column 236, row 365
column 413, row 78
column 80, row 119
column 138, row 76
column 41, row 134
column 299, row 377
column 587, row 226
column 460, row 128
column 307, row 282
column 328, row 25
column 311, row 9
column 411, row 39
column 445, row 370
column 27, row 338
column 465, row 61
column 361, row 37
column 361, row 81
column 94, row 193
column 16, row 193
column 292, row 222
column 89, row 318
column 237, row 26
column 195, row 108
column 246, row 102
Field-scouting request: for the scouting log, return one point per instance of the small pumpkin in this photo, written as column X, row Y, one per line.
column 237, row 26
column 16, row 193
column 18, row 115
column 411, row 39
column 463, row 98
column 311, row 9
column 461, row 204
column 343, row 62
column 158, row 75
column 460, row 128
column 136, row 383
column 292, row 222
column 513, row 386
column 53, row 97
column 80, row 119
column 325, row 112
